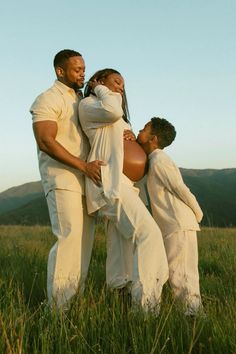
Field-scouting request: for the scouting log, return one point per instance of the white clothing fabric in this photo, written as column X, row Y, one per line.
column 143, row 193
column 63, row 186
column 182, row 254
column 176, row 211
column 60, row 104
column 69, row 258
column 101, row 120
column 120, row 246
column 118, row 201
column 138, row 233
column 119, row 262
column 173, row 206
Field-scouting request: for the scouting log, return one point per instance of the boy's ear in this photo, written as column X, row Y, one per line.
column 154, row 140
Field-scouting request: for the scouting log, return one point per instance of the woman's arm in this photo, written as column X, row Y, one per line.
column 104, row 109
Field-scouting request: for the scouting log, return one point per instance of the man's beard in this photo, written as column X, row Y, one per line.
column 77, row 87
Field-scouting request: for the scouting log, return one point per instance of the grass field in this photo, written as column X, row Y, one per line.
column 101, row 322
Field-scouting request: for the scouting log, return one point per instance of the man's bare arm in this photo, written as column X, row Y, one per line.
column 45, row 134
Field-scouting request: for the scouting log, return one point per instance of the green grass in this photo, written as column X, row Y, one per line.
column 102, row 322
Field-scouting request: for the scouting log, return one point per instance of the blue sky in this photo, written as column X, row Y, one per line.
column 177, row 57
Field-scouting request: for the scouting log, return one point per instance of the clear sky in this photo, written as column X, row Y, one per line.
column 178, row 58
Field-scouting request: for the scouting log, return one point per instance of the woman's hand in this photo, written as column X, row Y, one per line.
column 95, row 83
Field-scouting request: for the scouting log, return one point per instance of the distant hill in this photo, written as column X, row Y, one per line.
column 214, row 189
column 16, row 197
column 216, row 193
column 24, row 204
column 34, row 212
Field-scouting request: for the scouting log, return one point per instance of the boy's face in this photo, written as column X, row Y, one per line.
column 145, row 138
column 145, row 134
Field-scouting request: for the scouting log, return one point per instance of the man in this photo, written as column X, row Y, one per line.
column 62, row 153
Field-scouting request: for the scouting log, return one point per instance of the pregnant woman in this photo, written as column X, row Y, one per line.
column 134, row 239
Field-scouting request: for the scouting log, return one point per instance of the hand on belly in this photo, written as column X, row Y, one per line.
column 135, row 160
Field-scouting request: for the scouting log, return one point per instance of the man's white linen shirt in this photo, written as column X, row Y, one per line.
column 102, row 122
column 60, row 104
column 173, row 206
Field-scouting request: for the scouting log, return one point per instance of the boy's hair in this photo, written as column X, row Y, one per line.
column 61, row 57
column 164, row 131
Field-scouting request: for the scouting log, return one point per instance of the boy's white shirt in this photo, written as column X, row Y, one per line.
column 101, row 119
column 174, row 207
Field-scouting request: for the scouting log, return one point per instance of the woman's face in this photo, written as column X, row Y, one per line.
column 114, row 82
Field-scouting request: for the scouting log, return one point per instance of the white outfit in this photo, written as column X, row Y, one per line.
column 130, row 226
column 64, row 188
column 177, row 213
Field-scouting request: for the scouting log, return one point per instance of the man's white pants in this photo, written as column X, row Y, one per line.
column 135, row 250
column 69, row 258
column 182, row 254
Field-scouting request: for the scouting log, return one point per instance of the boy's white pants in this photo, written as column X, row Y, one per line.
column 135, row 248
column 69, row 258
column 182, row 254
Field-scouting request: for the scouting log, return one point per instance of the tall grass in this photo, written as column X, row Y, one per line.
column 102, row 321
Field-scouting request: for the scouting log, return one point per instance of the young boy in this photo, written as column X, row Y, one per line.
column 176, row 211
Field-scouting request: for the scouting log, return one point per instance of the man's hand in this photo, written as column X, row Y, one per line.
column 129, row 135
column 93, row 170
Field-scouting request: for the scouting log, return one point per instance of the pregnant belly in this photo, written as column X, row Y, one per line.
column 135, row 161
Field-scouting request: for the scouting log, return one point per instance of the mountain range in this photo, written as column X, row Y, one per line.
column 215, row 191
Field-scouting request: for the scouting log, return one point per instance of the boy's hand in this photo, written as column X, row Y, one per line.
column 129, row 135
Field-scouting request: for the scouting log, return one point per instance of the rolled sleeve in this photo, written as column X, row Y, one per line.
column 45, row 107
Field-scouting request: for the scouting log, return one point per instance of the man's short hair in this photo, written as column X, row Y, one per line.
column 164, row 131
column 61, row 57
